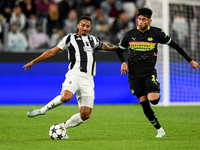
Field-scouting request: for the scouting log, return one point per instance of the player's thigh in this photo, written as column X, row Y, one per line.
column 85, row 93
column 137, row 86
column 70, row 84
column 85, row 101
column 86, row 86
column 152, row 84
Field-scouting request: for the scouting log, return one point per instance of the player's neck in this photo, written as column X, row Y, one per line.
column 82, row 35
column 144, row 30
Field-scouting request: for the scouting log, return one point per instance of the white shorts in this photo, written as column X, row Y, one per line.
column 82, row 84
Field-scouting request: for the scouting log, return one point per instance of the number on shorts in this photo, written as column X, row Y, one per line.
column 154, row 79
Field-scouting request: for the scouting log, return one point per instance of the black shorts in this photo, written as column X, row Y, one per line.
column 145, row 83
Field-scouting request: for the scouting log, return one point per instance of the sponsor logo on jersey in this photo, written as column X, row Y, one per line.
column 142, row 46
column 87, row 48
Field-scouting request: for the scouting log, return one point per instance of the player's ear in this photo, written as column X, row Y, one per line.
column 90, row 27
column 150, row 20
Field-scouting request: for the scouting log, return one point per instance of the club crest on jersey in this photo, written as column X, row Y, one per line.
column 90, row 38
column 87, row 48
column 150, row 39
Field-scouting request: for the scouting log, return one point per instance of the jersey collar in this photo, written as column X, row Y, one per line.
column 81, row 35
column 139, row 28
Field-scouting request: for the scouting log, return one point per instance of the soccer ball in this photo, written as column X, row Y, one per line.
column 57, row 132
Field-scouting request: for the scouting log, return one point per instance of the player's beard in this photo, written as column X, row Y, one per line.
column 142, row 28
column 84, row 33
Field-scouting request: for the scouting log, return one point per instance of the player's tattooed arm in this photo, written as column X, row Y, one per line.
column 109, row 47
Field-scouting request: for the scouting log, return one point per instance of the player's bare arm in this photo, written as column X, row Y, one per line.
column 124, row 66
column 195, row 65
column 47, row 54
column 109, row 47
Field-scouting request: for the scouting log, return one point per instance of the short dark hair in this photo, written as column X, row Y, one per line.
column 85, row 17
column 145, row 12
column 16, row 6
column 120, row 12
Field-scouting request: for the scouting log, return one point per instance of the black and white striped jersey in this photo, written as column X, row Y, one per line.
column 81, row 51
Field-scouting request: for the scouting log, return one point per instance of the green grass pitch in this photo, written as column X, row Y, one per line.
column 110, row 127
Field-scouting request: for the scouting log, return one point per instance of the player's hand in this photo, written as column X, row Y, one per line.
column 28, row 66
column 120, row 41
column 124, row 68
column 195, row 65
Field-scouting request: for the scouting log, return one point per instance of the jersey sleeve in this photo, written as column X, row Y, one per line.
column 98, row 43
column 65, row 42
column 164, row 38
column 124, row 43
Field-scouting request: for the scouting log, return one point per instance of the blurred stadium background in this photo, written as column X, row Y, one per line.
column 43, row 82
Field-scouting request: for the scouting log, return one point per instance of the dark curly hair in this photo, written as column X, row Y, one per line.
column 85, row 17
column 145, row 12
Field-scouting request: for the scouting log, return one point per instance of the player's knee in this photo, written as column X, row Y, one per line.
column 153, row 97
column 85, row 113
column 66, row 96
column 65, row 99
column 155, row 102
column 85, row 116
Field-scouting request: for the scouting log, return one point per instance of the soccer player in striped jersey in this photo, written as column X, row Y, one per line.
column 142, row 44
column 81, row 69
